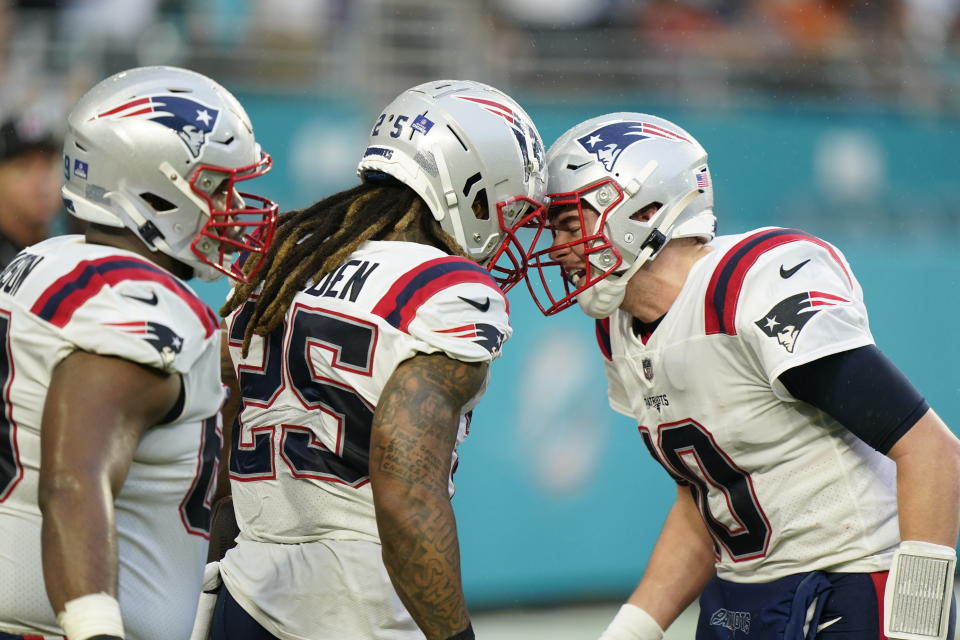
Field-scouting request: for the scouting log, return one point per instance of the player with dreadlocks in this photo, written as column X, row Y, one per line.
column 360, row 351
column 311, row 242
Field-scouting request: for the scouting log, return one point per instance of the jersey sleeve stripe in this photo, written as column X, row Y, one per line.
column 69, row 292
column 400, row 304
column 603, row 338
column 466, row 331
column 723, row 293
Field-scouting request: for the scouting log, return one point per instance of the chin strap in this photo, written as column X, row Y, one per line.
column 605, row 297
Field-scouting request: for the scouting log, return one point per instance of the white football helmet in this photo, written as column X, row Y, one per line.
column 618, row 164
column 159, row 150
column 474, row 156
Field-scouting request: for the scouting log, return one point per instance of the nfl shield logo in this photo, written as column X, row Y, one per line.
column 647, row 368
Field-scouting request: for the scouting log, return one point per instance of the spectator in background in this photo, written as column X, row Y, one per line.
column 29, row 184
column 558, row 14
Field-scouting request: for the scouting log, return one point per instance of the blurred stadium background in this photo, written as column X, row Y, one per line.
column 838, row 116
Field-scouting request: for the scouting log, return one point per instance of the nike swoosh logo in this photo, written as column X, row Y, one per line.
column 786, row 273
column 828, row 623
column 151, row 300
column 482, row 306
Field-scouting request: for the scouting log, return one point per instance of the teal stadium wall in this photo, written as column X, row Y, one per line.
column 557, row 499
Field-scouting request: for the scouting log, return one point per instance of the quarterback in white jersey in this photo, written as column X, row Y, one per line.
column 807, row 465
column 360, row 353
column 110, row 428
column 783, row 489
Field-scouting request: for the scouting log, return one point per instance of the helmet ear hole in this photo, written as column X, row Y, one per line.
column 646, row 212
column 156, row 202
column 480, row 207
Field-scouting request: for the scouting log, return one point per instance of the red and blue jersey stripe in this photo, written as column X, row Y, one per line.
column 400, row 304
column 723, row 292
column 69, row 292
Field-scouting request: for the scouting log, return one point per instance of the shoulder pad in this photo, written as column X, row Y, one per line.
column 792, row 247
column 420, row 285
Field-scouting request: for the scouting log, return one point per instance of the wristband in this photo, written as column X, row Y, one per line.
column 632, row 623
column 466, row 634
column 91, row 616
column 918, row 592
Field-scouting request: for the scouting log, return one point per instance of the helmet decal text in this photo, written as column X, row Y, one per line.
column 422, row 123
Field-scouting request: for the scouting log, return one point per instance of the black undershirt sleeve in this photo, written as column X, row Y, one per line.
column 177, row 408
column 862, row 390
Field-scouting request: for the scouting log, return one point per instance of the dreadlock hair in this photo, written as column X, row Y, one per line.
column 310, row 243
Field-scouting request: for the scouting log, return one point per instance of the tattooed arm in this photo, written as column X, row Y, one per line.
column 414, row 433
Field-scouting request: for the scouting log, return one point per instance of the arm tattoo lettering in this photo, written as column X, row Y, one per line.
column 414, row 433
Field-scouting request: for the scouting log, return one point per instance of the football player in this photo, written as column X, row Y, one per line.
column 817, row 491
column 109, row 362
column 361, row 350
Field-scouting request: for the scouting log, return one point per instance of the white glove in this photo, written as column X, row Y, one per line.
column 632, row 623
column 916, row 602
column 207, row 602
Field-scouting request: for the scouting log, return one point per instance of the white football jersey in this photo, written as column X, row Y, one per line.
column 782, row 487
column 299, row 458
column 64, row 295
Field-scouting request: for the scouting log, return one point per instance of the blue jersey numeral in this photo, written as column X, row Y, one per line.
column 350, row 343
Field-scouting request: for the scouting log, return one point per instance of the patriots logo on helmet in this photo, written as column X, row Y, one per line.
column 536, row 148
column 161, row 337
column 190, row 119
column 527, row 139
column 787, row 318
column 610, row 140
